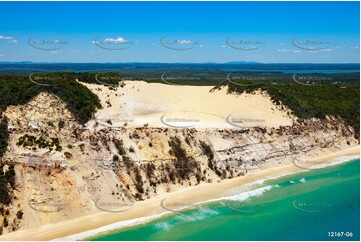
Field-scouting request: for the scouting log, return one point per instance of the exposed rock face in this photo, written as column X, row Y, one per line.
column 98, row 168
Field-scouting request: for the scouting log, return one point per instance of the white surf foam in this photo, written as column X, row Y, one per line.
column 336, row 161
column 110, row 227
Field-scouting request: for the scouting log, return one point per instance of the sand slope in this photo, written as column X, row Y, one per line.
column 159, row 105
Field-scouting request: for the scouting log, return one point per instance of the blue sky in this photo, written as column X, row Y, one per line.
column 269, row 32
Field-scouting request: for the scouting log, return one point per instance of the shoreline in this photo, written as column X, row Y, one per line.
column 93, row 225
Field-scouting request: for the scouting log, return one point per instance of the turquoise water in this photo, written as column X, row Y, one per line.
column 304, row 206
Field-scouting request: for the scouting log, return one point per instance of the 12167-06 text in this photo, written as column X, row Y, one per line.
column 340, row 234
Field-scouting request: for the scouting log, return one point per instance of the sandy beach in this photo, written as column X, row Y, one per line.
column 88, row 226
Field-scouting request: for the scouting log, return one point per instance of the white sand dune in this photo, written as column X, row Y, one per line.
column 160, row 105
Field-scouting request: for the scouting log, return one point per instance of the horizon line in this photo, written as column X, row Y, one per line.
column 134, row 62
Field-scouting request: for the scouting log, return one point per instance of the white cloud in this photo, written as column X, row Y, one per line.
column 223, row 46
column 354, row 47
column 326, row 49
column 5, row 37
column 320, row 50
column 119, row 40
column 201, row 46
column 284, row 50
column 54, row 52
column 10, row 39
column 289, row 50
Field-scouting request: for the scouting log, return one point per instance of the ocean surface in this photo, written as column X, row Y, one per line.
column 139, row 67
column 321, row 204
column 294, row 71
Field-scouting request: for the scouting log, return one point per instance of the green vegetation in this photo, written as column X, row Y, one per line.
column 29, row 141
column 4, row 135
column 20, row 214
column 18, row 90
column 61, row 124
column 313, row 101
column 138, row 180
column 207, row 150
column 5, row 222
column 119, row 146
column 68, row 155
column 184, row 164
column 110, row 79
column 6, row 178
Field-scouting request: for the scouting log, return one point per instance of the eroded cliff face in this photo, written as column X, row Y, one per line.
column 65, row 170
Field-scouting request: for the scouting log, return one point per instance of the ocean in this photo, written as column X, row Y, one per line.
column 127, row 68
column 321, row 204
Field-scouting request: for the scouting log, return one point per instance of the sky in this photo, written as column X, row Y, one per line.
column 174, row 32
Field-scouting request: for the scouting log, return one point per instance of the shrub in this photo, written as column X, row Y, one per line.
column 19, row 214
column 119, row 146
column 4, row 135
column 6, row 178
column 61, row 124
